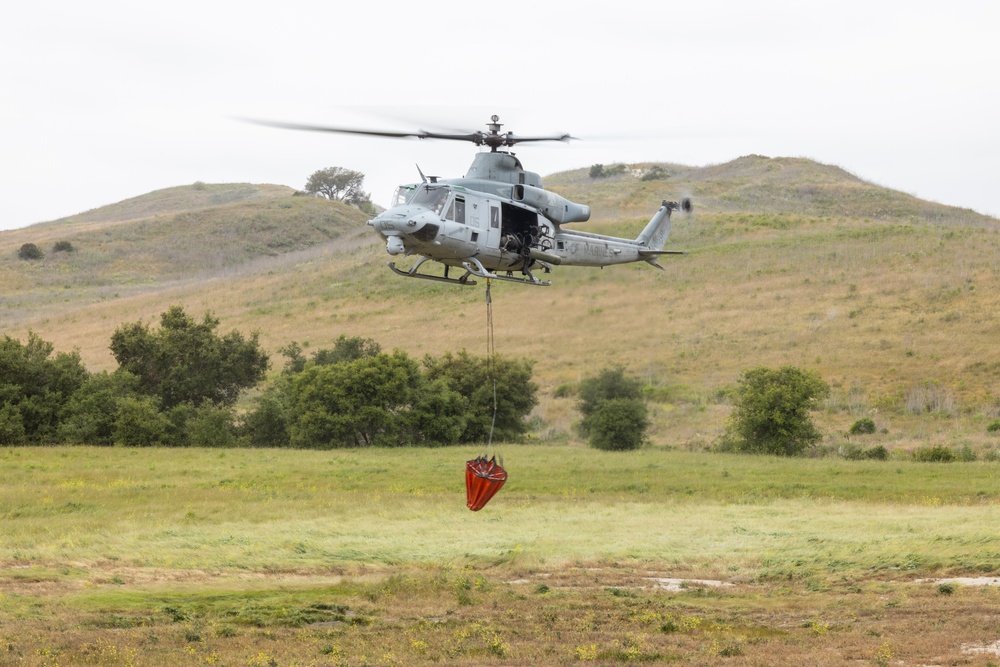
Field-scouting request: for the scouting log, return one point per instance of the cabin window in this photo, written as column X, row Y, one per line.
column 494, row 217
column 456, row 211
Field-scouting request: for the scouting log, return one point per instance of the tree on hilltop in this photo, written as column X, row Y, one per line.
column 338, row 184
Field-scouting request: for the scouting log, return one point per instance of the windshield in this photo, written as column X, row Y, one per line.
column 402, row 195
column 432, row 198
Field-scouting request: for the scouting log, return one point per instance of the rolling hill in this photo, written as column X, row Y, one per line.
column 890, row 298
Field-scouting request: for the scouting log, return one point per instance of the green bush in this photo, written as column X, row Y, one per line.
column 772, row 411
column 472, row 378
column 877, row 453
column 89, row 416
column 865, row 425
column 11, row 426
column 597, row 171
column 608, row 385
column 619, row 424
column 565, row 390
column 211, row 426
column 30, row 251
column 994, row 426
column 655, row 173
column 935, row 454
column 63, row 246
column 140, row 423
column 613, row 409
column 37, row 385
column 267, row 424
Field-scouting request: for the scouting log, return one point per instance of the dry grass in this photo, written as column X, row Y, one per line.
column 890, row 299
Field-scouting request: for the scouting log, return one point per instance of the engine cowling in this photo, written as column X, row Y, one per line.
column 557, row 209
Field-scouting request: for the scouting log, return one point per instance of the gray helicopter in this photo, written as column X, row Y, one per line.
column 498, row 219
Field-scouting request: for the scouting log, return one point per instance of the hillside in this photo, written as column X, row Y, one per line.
column 890, row 298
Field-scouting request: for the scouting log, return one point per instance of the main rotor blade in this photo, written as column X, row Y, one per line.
column 420, row 134
column 493, row 140
column 513, row 139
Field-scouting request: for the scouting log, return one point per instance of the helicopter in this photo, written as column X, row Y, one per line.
column 498, row 219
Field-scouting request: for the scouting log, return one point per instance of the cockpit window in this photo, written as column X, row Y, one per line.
column 403, row 194
column 432, row 198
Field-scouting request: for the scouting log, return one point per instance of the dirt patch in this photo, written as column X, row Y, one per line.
column 981, row 649
column 678, row 585
column 962, row 581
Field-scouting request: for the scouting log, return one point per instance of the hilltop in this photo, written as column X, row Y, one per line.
column 889, row 297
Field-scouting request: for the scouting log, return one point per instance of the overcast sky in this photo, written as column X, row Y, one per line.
column 103, row 100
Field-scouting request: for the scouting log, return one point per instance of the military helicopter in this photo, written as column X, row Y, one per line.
column 498, row 219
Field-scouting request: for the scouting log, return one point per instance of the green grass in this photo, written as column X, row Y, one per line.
column 261, row 509
column 369, row 557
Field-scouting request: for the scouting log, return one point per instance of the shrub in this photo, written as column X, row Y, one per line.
column 608, row 385
column 655, row 173
column 30, row 251
column 11, row 426
column 863, row 426
column 597, row 171
column 267, row 424
column 89, row 415
column 140, row 423
column 37, row 385
column 564, row 390
column 619, row 424
column 935, row 454
column 63, row 246
column 877, row 453
column 772, row 411
column 994, row 426
column 211, row 426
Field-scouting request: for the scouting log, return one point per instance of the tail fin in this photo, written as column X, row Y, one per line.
column 658, row 229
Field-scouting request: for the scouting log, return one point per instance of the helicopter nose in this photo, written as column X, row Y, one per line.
column 419, row 224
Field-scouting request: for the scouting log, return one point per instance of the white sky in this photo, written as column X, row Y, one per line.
column 105, row 100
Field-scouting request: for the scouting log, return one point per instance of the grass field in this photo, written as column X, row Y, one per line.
column 369, row 557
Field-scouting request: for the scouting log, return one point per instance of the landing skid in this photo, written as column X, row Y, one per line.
column 473, row 267
column 412, row 273
column 476, row 268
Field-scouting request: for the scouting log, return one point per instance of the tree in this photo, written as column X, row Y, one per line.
column 36, row 386
column 90, row 414
column 186, row 362
column 473, row 378
column 338, row 184
column 359, row 403
column 772, row 411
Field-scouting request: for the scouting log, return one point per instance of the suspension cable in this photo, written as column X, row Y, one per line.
column 490, row 366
